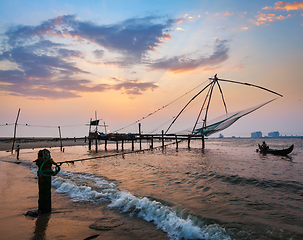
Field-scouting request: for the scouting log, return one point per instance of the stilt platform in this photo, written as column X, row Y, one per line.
column 120, row 139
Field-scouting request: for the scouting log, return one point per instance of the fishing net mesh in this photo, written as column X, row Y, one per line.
column 220, row 123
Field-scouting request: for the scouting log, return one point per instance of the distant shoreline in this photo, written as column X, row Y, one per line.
column 49, row 142
column 39, row 142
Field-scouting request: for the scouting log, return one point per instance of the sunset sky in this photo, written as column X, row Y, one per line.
column 60, row 61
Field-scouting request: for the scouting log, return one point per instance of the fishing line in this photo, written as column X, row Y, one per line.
column 7, row 124
column 115, row 154
column 159, row 109
column 28, row 125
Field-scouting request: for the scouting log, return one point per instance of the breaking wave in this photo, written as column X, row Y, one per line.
column 87, row 187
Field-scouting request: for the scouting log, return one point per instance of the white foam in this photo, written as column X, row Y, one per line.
column 81, row 192
column 166, row 219
column 152, row 211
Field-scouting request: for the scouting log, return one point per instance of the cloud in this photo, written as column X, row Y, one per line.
column 181, row 20
column 228, row 13
column 66, row 53
column 282, row 5
column 98, row 53
column 17, row 84
column 263, row 18
column 183, row 63
column 48, row 69
column 37, row 64
column 135, row 87
column 134, row 36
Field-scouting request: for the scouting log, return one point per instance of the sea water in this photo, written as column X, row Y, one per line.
column 226, row 191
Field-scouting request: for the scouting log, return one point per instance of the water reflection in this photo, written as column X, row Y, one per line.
column 41, row 226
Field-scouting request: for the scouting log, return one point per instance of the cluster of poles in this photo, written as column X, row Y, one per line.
column 164, row 136
column 139, row 137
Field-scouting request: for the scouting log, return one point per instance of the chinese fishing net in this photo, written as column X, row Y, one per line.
column 224, row 121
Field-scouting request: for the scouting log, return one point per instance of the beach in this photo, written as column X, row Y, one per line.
column 68, row 219
column 227, row 191
column 31, row 143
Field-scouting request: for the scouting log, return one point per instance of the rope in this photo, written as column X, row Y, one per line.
column 27, row 125
column 115, row 154
column 49, row 173
column 7, row 124
column 160, row 108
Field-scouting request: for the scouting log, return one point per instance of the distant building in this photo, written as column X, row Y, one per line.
column 274, row 134
column 256, row 134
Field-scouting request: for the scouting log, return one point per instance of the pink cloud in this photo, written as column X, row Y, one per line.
column 263, row 18
column 282, row 5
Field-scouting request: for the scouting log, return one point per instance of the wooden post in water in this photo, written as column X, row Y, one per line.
column 122, row 145
column 89, row 135
column 60, row 138
column 105, row 144
column 163, row 139
column 18, row 151
column 140, row 136
column 89, row 144
column 176, row 142
column 44, row 182
column 188, row 143
column 133, row 144
column 15, row 130
column 152, row 143
column 96, row 139
column 203, row 142
column 96, row 131
column 117, row 145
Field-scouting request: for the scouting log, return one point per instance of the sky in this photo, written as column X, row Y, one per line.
column 128, row 62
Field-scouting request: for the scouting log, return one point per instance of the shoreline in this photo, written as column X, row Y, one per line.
column 49, row 142
column 31, row 143
column 68, row 219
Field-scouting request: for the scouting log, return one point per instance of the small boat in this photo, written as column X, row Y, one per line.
column 282, row 152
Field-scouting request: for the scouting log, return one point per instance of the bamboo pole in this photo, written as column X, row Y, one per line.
column 133, row 144
column 89, row 136
column 187, row 105
column 152, row 143
column 249, row 84
column 15, row 130
column 162, row 139
column 96, row 139
column 202, row 107
column 96, row 132
column 140, row 136
column 18, row 151
column 60, row 138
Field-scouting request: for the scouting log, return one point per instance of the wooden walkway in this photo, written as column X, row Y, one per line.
column 120, row 139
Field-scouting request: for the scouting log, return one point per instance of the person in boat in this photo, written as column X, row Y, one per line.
column 264, row 146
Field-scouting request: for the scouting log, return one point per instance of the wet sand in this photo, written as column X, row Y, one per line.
column 68, row 220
